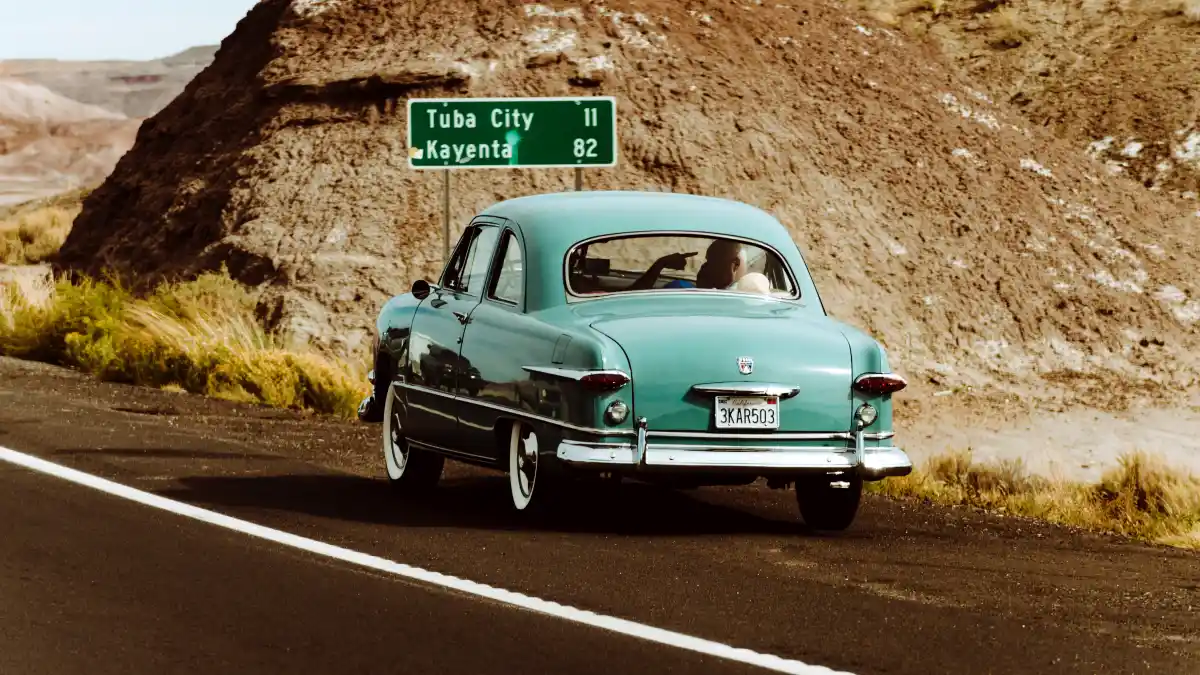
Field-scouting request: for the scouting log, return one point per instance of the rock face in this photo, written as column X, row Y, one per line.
column 1116, row 79
column 981, row 249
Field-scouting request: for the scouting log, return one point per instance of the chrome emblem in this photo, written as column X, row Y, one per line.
column 745, row 365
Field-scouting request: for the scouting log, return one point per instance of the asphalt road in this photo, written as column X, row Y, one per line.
column 90, row 582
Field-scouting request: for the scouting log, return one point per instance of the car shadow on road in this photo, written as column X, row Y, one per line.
column 479, row 503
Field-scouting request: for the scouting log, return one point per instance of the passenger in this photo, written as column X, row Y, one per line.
column 754, row 282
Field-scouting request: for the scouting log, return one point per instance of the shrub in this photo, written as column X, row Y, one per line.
column 1140, row 498
column 200, row 336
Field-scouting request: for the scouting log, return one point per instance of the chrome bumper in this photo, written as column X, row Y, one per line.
column 872, row 463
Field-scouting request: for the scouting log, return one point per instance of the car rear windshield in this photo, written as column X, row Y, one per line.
column 638, row 262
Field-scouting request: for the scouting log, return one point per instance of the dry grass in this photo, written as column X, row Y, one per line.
column 32, row 232
column 200, row 336
column 1140, row 498
column 33, row 237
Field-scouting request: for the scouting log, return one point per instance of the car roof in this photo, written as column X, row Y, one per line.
column 558, row 220
column 551, row 223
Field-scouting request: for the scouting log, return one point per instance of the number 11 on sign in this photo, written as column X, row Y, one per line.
column 591, row 117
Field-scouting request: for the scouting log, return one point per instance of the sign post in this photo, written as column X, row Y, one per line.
column 510, row 133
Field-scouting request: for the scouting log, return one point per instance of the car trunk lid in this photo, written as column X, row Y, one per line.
column 673, row 349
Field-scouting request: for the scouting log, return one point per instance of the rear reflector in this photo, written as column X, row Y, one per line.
column 605, row 381
column 879, row 384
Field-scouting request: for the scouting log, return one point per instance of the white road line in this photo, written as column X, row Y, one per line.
column 631, row 628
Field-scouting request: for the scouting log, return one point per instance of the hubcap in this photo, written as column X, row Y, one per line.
column 527, row 464
column 398, row 446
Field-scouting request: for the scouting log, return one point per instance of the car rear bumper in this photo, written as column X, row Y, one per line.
column 872, row 463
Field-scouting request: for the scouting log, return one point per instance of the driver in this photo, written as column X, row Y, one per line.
column 724, row 264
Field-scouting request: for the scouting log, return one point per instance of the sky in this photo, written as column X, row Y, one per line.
column 113, row 29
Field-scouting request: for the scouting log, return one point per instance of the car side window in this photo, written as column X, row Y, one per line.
column 452, row 278
column 509, row 285
column 478, row 260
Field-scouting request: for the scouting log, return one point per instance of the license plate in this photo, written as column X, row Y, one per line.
column 746, row 412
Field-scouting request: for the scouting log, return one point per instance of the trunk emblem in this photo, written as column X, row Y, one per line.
column 745, row 365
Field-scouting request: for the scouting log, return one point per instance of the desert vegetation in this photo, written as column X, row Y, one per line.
column 31, row 232
column 1140, row 498
column 201, row 336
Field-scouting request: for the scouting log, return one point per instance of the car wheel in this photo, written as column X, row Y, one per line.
column 406, row 467
column 829, row 503
column 529, row 472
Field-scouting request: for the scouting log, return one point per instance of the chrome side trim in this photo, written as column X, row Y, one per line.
column 783, row 391
column 425, row 390
column 518, row 412
column 789, row 436
column 448, row 451
column 572, row 373
column 751, row 448
column 693, row 435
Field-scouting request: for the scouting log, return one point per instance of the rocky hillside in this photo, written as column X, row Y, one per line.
column 982, row 248
column 135, row 89
column 1117, row 79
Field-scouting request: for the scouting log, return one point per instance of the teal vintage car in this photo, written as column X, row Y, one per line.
column 662, row 337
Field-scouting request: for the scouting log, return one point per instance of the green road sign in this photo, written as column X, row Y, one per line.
column 514, row 133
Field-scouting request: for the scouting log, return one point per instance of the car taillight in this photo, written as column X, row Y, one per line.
column 605, row 381
column 879, row 384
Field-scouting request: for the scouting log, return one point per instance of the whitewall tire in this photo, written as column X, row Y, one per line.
column 522, row 465
column 405, row 466
column 533, row 475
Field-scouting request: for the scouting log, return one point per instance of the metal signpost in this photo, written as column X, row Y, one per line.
column 510, row 133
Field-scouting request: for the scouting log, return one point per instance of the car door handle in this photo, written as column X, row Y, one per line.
column 462, row 318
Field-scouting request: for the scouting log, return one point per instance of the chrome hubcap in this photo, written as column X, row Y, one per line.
column 527, row 464
column 399, row 447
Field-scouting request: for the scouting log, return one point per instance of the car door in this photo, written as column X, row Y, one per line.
column 499, row 340
column 437, row 370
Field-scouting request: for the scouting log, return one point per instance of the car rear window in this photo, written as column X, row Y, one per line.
column 637, row 262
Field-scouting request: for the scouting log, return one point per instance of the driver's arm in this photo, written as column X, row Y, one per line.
column 649, row 276
column 673, row 260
